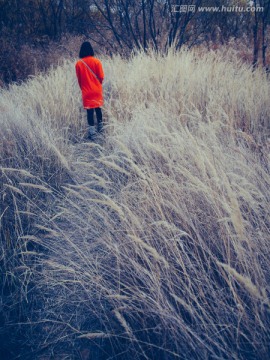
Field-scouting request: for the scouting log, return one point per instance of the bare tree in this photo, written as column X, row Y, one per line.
column 261, row 21
column 256, row 36
column 140, row 23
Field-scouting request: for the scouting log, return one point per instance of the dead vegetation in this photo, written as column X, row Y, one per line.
column 158, row 248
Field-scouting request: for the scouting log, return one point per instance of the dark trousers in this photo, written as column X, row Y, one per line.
column 90, row 116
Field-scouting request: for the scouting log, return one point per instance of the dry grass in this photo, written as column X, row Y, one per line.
column 163, row 253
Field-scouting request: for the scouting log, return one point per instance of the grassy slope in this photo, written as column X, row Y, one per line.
column 163, row 252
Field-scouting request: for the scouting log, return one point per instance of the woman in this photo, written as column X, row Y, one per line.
column 90, row 76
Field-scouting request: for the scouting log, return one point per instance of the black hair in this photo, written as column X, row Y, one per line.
column 86, row 50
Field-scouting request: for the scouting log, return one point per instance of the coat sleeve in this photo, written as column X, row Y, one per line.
column 100, row 72
column 78, row 73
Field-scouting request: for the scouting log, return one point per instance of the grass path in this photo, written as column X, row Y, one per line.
column 85, row 155
column 63, row 233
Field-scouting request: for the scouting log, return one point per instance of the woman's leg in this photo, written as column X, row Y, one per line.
column 90, row 117
column 99, row 114
column 99, row 119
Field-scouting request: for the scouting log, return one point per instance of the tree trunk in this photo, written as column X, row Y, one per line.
column 255, row 40
column 264, row 27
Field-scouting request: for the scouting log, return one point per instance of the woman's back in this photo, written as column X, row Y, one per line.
column 90, row 76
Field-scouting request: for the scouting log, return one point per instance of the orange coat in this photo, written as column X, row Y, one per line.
column 91, row 87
